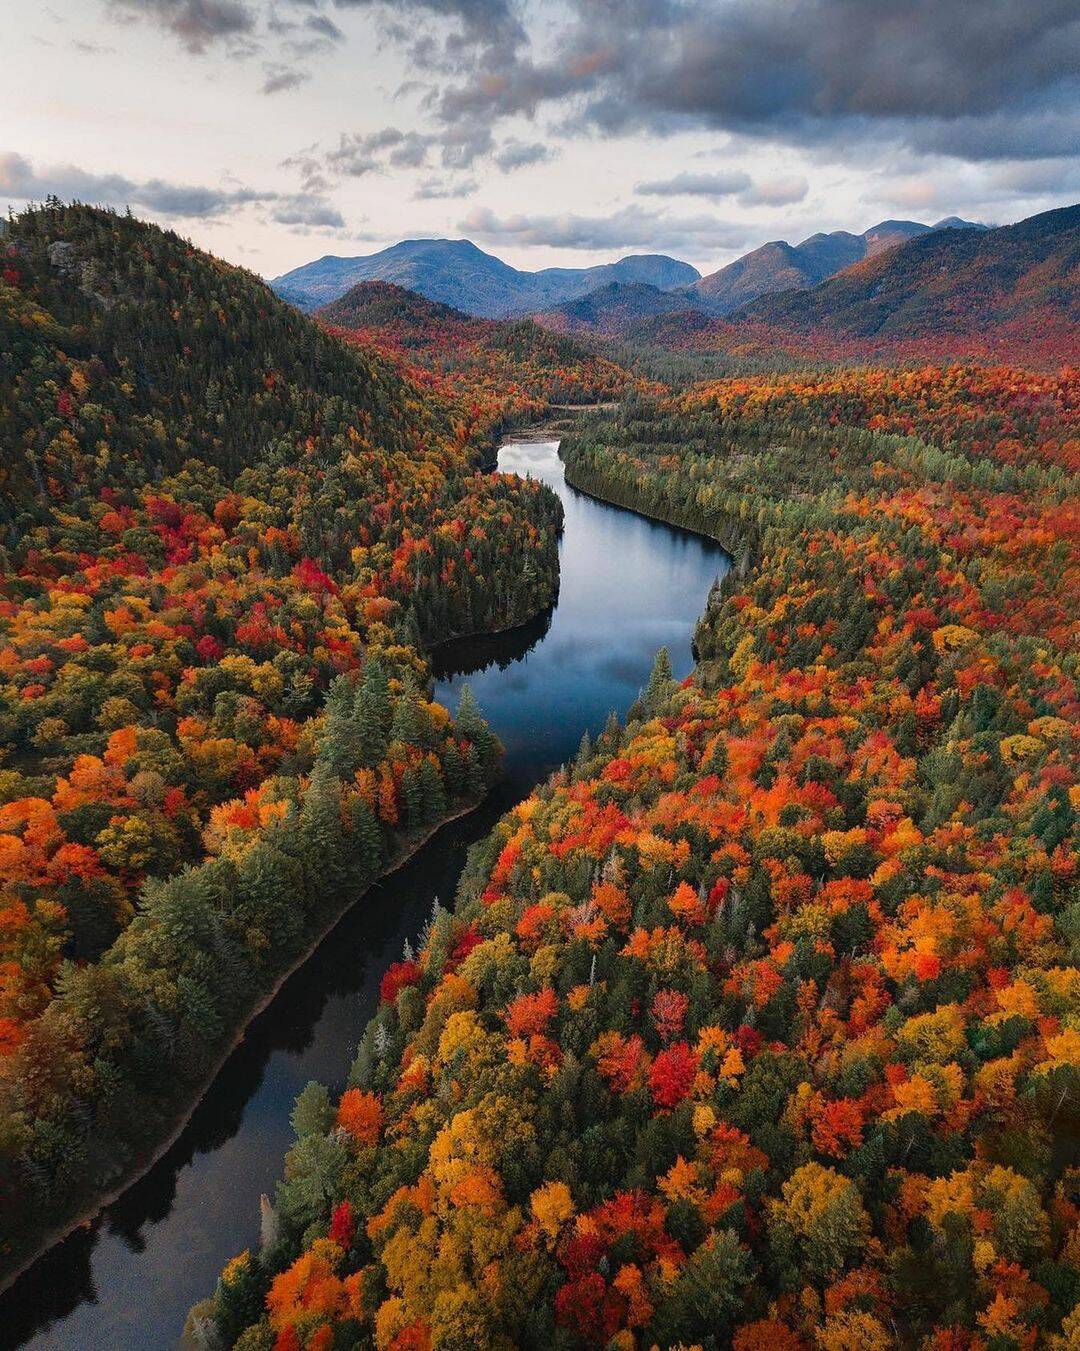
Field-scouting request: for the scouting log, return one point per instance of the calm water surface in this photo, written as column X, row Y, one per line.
column 628, row 587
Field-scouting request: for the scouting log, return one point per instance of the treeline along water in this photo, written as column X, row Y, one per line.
column 628, row 587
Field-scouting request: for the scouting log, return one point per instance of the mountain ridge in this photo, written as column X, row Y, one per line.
column 456, row 272
column 780, row 266
column 948, row 283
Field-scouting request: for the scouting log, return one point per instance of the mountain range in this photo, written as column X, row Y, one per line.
column 953, row 292
column 952, row 287
column 779, row 266
column 953, row 282
column 455, row 272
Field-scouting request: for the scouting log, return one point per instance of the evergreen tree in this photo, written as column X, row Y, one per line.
column 373, row 714
column 432, row 792
column 341, row 744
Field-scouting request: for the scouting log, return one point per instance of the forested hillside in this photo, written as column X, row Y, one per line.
column 615, row 310
column 758, row 1025
column 1000, row 296
column 780, row 266
column 490, row 372
column 227, row 539
column 1005, row 293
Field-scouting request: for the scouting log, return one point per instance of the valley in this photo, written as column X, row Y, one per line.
column 625, row 758
column 542, row 686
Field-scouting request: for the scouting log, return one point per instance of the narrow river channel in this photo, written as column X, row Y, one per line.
column 628, row 587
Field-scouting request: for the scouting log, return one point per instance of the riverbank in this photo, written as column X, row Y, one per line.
column 612, row 499
column 156, row 1253
column 197, row 1089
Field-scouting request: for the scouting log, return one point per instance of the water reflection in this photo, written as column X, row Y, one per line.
column 628, row 587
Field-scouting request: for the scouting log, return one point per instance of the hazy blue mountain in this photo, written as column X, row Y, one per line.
column 455, row 272
column 613, row 309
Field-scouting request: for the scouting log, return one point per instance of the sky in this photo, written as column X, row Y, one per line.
column 550, row 132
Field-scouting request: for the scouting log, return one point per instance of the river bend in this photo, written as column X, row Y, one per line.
column 628, row 587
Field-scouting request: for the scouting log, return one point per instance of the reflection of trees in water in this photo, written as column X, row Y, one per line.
column 249, row 1088
column 469, row 656
column 349, row 960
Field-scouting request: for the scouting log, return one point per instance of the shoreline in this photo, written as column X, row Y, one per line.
column 89, row 1213
column 542, row 431
column 671, row 521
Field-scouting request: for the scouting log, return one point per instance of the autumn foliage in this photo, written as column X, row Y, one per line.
column 770, row 1036
column 226, row 540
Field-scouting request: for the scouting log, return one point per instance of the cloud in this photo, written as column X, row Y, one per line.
column 21, row 181
column 631, row 226
column 463, row 26
column 308, row 212
column 724, row 184
column 1037, row 178
column 1037, row 134
column 243, row 28
column 438, row 189
column 280, row 78
column 323, row 27
column 197, row 23
column 981, row 193
column 782, row 191
column 359, row 153
column 944, row 76
column 514, row 154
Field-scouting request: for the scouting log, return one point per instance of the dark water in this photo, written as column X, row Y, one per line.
column 628, row 587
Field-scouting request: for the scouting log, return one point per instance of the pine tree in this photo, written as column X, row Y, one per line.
column 341, row 743
column 373, row 714
column 412, row 796
column 367, row 838
column 660, row 683
column 406, row 725
column 471, row 724
column 321, row 834
column 432, row 792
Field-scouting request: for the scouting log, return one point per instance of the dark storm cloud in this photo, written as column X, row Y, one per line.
column 922, row 70
column 197, row 23
column 1008, row 135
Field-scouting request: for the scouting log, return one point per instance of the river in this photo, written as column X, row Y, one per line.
column 628, row 587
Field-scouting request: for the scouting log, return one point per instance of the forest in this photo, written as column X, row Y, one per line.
column 227, row 543
column 499, row 373
column 756, row 1025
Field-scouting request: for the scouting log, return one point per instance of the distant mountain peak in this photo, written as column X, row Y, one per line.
column 958, row 223
column 780, row 266
column 457, row 272
column 949, row 284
